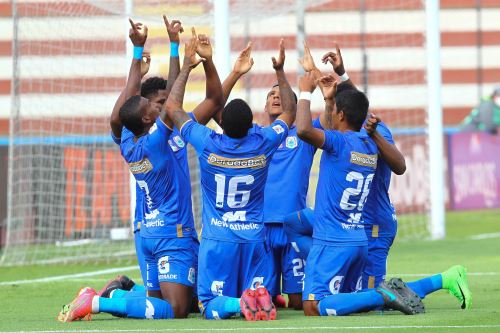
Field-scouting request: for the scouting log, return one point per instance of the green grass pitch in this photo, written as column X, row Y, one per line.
column 33, row 307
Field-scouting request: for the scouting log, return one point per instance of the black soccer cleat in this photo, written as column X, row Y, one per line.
column 127, row 283
column 393, row 300
column 411, row 297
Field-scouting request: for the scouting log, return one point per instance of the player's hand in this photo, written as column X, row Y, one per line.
column 371, row 124
column 307, row 61
column 138, row 33
column 174, row 28
column 204, row 48
column 280, row 62
column 335, row 59
column 190, row 51
column 328, row 86
column 245, row 61
column 145, row 63
column 307, row 82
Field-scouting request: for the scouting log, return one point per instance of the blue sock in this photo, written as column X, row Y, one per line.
column 425, row 286
column 113, row 305
column 138, row 287
column 118, row 293
column 344, row 304
column 298, row 230
column 222, row 307
column 148, row 308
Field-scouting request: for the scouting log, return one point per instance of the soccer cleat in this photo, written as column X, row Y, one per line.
column 412, row 298
column 120, row 282
column 393, row 300
column 455, row 280
column 280, row 301
column 248, row 304
column 80, row 308
column 265, row 304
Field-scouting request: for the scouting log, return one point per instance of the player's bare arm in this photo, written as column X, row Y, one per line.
column 305, row 129
column 173, row 106
column 389, row 152
column 335, row 59
column 328, row 86
column 138, row 34
column 212, row 105
column 242, row 66
column 174, row 29
column 287, row 97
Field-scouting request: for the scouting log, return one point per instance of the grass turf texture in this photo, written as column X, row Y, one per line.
column 33, row 307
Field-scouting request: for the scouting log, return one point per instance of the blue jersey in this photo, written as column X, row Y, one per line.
column 288, row 179
column 378, row 209
column 159, row 174
column 346, row 172
column 233, row 177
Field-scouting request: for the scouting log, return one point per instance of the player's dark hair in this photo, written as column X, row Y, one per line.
column 355, row 106
column 343, row 86
column 150, row 87
column 237, row 118
column 130, row 115
column 294, row 94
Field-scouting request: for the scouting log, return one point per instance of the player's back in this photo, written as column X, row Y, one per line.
column 346, row 172
column 233, row 177
column 167, row 204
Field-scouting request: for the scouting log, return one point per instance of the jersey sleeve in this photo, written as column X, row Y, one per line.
column 385, row 132
column 159, row 134
column 115, row 139
column 126, row 135
column 317, row 123
column 274, row 134
column 196, row 134
column 333, row 142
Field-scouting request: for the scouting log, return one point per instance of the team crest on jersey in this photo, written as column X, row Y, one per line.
column 278, row 129
column 172, row 146
column 163, row 265
column 364, row 159
column 142, row 166
column 335, row 284
column 179, row 142
column 256, row 162
column 291, row 142
column 217, row 287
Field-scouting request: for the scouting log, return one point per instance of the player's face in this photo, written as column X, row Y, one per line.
column 336, row 118
column 159, row 98
column 150, row 110
column 273, row 102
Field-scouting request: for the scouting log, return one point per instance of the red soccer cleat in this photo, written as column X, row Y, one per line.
column 80, row 308
column 248, row 304
column 280, row 301
column 265, row 304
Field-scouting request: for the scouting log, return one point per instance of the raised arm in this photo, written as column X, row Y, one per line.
column 286, row 93
column 174, row 28
column 242, row 65
column 212, row 105
column 173, row 106
column 138, row 34
column 305, row 129
column 335, row 59
column 389, row 152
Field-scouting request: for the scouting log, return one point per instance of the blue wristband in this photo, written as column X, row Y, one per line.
column 174, row 49
column 138, row 52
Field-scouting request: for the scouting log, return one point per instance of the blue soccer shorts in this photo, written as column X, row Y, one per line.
column 227, row 269
column 333, row 269
column 170, row 260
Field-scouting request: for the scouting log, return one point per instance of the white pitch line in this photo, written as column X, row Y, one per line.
column 71, row 276
column 485, row 236
column 429, row 274
column 336, row 328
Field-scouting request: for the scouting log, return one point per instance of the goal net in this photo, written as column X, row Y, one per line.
column 69, row 190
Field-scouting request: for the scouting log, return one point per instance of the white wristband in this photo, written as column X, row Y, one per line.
column 305, row 95
column 344, row 77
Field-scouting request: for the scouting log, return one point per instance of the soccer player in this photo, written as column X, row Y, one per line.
column 338, row 253
column 168, row 235
column 234, row 167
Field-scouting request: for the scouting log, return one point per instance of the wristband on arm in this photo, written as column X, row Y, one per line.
column 138, row 52
column 305, row 95
column 174, row 49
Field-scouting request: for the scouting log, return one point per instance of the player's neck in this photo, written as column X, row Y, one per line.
column 272, row 118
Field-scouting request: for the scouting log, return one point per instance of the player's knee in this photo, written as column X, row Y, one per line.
column 310, row 308
column 295, row 301
column 180, row 309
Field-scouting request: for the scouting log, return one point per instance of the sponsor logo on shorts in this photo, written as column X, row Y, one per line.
column 142, row 166
column 256, row 162
column 217, row 288
column 192, row 275
column 335, row 284
column 310, row 297
column 163, row 265
column 359, row 284
column 364, row 159
column 331, row 312
column 278, row 129
column 291, row 142
column 257, row 281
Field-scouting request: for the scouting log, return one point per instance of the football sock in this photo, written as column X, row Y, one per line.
column 138, row 287
column 138, row 307
column 119, row 293
column 346, row 303
column 425, row 286
column 222, row 307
